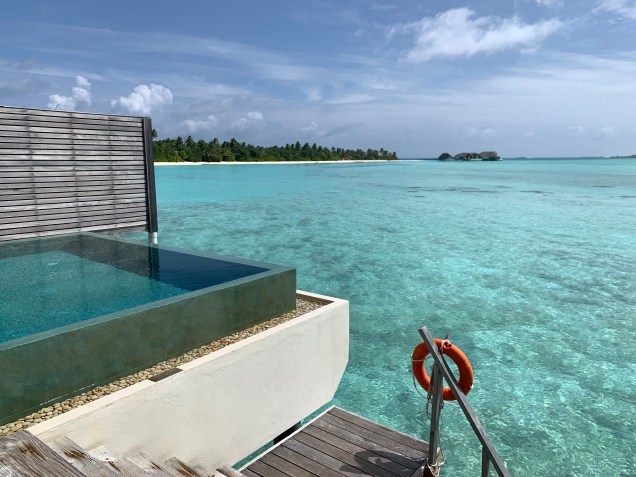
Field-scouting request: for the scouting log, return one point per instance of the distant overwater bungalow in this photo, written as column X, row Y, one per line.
column 471, row 156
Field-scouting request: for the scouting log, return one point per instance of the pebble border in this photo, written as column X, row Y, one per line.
column 303, row 306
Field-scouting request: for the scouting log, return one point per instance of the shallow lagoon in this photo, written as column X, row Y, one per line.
column 530, row 266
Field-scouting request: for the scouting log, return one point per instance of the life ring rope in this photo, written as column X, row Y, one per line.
column 466, row 375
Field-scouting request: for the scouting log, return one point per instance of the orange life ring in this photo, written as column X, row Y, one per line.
column 466, row 376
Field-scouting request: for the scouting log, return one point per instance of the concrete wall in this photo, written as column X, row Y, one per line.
column 224, row 406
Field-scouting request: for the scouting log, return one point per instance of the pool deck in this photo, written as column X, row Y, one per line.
column 339, row 443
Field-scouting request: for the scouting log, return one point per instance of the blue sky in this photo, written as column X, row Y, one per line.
column 524, row 77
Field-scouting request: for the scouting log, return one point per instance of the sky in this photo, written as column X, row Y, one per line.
column 528, row 78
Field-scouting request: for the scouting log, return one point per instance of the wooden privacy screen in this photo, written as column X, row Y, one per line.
column 67, row 172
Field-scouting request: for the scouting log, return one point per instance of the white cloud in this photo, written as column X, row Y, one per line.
column 80, row 94
column 576, row 130
column 625, row 8
column 254, row 116
column 314, row 94
column 200, row 125
column 487, row 131
column 456, row 32
column 607, row 132
column 22, row 86
column 144, row 99
column 380, row 84
column 351, row 99
column 284, row 72
column 250, row 119
column 550, row 3
column 380, row 7
column 312, row 127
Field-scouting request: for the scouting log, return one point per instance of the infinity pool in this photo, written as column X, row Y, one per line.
column 48, row 283
column 79, row 310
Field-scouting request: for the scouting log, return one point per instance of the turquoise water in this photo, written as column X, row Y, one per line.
column 43, row 291
column 530, row 266
column 56, row 281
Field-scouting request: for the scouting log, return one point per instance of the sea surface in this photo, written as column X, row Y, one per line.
column 528, row 265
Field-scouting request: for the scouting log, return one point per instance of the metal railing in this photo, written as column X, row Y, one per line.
column 441, row 372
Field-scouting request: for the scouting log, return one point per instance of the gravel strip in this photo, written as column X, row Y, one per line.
column 302, row 307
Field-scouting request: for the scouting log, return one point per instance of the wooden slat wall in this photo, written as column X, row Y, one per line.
column 65, row 172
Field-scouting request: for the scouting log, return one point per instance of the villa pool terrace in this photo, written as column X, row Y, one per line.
column 82, row 309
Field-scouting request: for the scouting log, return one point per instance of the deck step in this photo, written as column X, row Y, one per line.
column 151, row 467
column 80, row 459
column 121, row 466
column 185, row 470
column 228, row 471
column 24, row 455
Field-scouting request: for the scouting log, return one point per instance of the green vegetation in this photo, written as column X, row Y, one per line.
column 178, row 150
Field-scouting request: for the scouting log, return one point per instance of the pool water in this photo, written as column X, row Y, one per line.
column 530, row 266
column 54, row 282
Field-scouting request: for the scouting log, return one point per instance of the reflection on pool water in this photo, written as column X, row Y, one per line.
column 52, row 282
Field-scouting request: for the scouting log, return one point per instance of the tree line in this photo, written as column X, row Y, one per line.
column 189, row 150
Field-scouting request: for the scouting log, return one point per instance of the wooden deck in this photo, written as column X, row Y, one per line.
column 339, row 443
column 336, row 444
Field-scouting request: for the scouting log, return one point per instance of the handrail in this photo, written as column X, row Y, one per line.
column 488, row 450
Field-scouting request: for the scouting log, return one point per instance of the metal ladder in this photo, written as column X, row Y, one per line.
column 441, row 372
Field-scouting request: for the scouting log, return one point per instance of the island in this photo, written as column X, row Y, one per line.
column 471, row 156
column 189, row 150
column 632, row 156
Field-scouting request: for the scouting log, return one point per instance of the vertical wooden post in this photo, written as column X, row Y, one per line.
column 152, row 222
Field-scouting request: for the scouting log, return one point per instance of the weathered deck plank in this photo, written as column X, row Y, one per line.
column 24, row 455
column 264, row 470
column 339, row 460
column 249, row 473
column 366, row 444
column 377, row 428
column 282, row 465
column 121, row 466
column 150, row 467
column 306, row 466
column 183, row 469
column 382, row 440
column 338, row 444
column 81, row 460
column 362, row 454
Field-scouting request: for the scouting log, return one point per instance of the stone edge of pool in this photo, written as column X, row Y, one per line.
column 305, row 303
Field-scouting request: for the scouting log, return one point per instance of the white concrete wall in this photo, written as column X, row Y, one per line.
column 223, row 406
